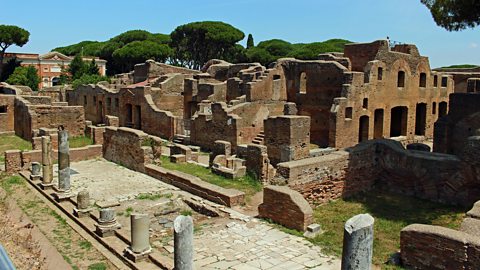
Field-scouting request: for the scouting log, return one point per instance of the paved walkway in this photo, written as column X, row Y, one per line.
column 257, row 246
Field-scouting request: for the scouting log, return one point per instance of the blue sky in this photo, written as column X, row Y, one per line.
column 54, row 23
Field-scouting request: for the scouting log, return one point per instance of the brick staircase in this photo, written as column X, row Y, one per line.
column 259, row 139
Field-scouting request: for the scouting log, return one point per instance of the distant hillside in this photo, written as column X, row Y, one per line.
column 462, row 66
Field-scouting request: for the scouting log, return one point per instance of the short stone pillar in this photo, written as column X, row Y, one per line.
column 140, row 238
column 220, row 148
column 183, row 243
column 36, row 171
column 358, row 243
column 107, row 223
column 63, row 190
column 47, row 164
column 83, row 208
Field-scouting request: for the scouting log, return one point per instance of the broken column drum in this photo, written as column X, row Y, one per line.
column 36, row 168
column 183, row 243
column 140, row 225
column 83, row 200
column 107, row 223
column 63, row 161
column 358, row 243
column 47, row 166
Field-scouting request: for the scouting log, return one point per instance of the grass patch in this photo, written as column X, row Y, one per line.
column 246, row 184
column 97, row 266
column 186, row 213
column 128, row 211
column 8, row 183
column 392, row 213
column 85, row 245
column 153, row 197
column 10, row 142
column 79, row 141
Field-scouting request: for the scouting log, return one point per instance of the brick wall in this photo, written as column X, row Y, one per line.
column 434, row 247
column 124, row 146
column 286, row 207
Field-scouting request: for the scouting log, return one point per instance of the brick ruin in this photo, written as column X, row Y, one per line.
column 325, row 129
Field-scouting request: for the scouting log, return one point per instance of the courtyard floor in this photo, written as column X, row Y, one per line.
column 235, row 241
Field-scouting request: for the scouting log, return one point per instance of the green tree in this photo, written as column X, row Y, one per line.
column 196, row 43
column 250, row 43
column 131, row 36
column 88, row 79
column 25, row 76
column 140, row 51
column 77, row 67
column 93, row 68
column 260, row 55
column 11, row 35
column 454, row 15
column 9, row 68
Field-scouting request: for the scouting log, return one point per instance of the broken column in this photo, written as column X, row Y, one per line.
column 107, row 223
column 36, row 170
column 47, row 165
column 83, row 208
column 183, row 243
column 140, row 237
column 358, row 243
column 63, row 190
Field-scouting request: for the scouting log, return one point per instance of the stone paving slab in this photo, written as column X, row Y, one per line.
column 256, row 245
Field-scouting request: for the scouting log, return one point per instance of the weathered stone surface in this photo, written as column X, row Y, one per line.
column 63, row 161
column 83, row 200
column 358, row 243
column 183, row 243
column 140, row 225
column 36, row 168
column 13, row 161
column 47, row 165
column 286, row 207
column 258, row 163
column 287, row 138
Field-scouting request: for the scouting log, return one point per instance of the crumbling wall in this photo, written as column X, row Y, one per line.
column 29, row 118
column 436, row 177
column 435, row 247
column 7, row 123
column 287, row 138
column 286, row 207
column 462, row 121
column 125, row 146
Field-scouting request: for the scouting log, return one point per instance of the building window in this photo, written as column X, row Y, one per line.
column 45, row 69
column 117, row 104
column 365, row 103
column 380, row 74
column 348, row 113
column 444, row 81
column 401, row 79
column 276, row 77
column 435, row 81
column 303, row 83
column 95, row 99
column 109, row 102
column 3, row 109
column 85, row 100
column 423, row 80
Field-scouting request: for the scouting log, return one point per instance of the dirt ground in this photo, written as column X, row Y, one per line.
column 59, row 237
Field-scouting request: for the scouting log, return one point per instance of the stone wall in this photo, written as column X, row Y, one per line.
column 287, row 138
column 436, row 177
column 31, row 114
column 7, row 113
column 286, row 207
column 124, row 146
column 134, row 106
column 16, row 160
column 196, row 186
column 462, row 121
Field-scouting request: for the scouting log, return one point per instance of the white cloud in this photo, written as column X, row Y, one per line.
column 473, row 45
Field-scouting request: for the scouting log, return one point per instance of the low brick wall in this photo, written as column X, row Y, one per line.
column 287, row 207
column 194, row 185
column 13, row 161
column 16, row 160
column 434, row 247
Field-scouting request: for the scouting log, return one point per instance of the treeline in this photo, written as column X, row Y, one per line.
column 191, row 45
